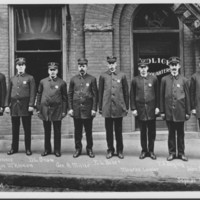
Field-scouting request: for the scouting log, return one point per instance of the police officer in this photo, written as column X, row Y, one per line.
column 83, row 96
column 144, row 101
column 113, row 104
column 175, row 107
column 20, row 104
column 195, row 94
column 2, row 92
column 52, row 107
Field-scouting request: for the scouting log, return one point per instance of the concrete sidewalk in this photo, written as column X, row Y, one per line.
column 100, row 174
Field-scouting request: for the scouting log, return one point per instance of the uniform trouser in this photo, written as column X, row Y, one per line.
column 57, row 135
column 117, row 122
column 147, row 129
column 176, row 127
column 26, row 121
column 78, row 125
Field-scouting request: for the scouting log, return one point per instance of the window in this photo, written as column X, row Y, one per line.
column 155, row 16
column 38, row 37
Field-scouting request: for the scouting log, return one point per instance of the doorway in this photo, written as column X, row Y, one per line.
column 155, row 38
column 156, row 49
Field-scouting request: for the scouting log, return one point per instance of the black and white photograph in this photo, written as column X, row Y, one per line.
column 99, row 99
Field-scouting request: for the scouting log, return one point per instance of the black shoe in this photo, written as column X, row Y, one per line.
column 11, row 152
column 120, row 155
column 152, row 156
column 28, row 152
column 170, row 157
column 77, row 153
column 142, row 155
column 183, row 157
column 57, row 154
column 109, row 155
column 45, row 153
column 90, row 153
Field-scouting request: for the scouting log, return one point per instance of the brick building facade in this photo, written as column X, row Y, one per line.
column 95, row 31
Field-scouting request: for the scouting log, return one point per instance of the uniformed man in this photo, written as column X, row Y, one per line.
column 144, row 101
column 113, row 104
column 195, row 94
column 2, row 92
column 175, row 107
column 20, row 104
column 83, row 98
column 52, row 107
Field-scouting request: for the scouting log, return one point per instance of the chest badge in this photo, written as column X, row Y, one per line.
column 150, row 85
column 56, row 86
column 178, row 85
column 87, row 84
column 24, row 82
column 118, row 80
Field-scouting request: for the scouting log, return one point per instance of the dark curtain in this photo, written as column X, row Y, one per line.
column 38, row 23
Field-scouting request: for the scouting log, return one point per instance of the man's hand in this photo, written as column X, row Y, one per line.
column 187, row 117
column 157, row 111
column 135, row 113
column 162, row 115
column 7, row 110
column 71, row 113
column 93, row 113
column 63, row 115
column 30, row 109
column 194, row 112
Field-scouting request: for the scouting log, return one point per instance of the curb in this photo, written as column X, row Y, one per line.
column 97, row 183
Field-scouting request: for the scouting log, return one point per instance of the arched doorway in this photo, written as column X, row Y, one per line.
column 155, row 38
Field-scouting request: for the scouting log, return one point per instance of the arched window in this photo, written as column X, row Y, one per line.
column 155, row 16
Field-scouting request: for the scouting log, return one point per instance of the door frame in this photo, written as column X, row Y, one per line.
column 134, row 57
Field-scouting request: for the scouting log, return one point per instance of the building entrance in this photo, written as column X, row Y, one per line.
column 155, row 38
column 156, row 49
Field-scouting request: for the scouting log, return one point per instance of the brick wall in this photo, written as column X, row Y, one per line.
column 189, row 65
column 98, row 45
column 4, row 61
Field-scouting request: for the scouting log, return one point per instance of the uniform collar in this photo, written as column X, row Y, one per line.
column 146, row 77
column 82, row 76
column 54, row 79
column 176, row 77
column 23, row 74
column 110, row 73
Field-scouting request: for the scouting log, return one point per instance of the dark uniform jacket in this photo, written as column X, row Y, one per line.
column 52, row 99
column 174, row 98
column 83, row 95
column 195, row 93
column 144, row 96
column 113, row 94
column 21, row 94
column 2, row 91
